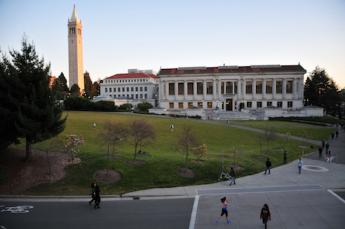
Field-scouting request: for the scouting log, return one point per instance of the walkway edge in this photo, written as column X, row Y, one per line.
column 337, row 196
column 193, row 216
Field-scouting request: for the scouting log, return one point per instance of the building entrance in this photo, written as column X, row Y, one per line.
column 228, row 103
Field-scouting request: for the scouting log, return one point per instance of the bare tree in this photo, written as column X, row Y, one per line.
column 141, row 132
column 112, row 134
column 186, row 141
column 200, row 151
column 72, row 144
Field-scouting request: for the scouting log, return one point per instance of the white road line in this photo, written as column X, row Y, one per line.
column 336, row 195
column 193, row 216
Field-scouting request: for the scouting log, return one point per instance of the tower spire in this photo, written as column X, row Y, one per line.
column 74, row 16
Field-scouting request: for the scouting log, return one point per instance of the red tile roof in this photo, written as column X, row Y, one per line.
column 132, row 75
column 233, row 69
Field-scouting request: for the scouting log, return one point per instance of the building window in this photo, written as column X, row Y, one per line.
column 289, row 86
column 141, row 88
column 249, row 87
column 180, row 105
column 132, row 96
column 132, row 89
column 199, row 104
column 114, row 89
column 280, row 104
column 190, row 105
column 269, row 87
column 279, row 87
column 136, row 96
column 127, row 89
column 209, row 88
column 114, row 96
column 145, row 88
column 190, row 88
column 222, row 88
column 269, row 104
column 258, row 87
column 259, row 104
column 180, row 88
column 171, row 105
column 110, row 89
column 199, row 88
column 141, row 96
column 123, row 89
column 235, row 87
column 289, row 104
column 249, row 104
column 171, row 88
column 145, row 96
column 228, row 88
column 106, row 90
column 209, row 105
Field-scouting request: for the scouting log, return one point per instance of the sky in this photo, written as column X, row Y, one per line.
column 148, row 34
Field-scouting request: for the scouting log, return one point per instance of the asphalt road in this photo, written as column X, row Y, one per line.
column 168, row 213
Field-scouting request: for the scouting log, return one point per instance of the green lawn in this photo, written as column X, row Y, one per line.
column 292, row 128
column 161, row 166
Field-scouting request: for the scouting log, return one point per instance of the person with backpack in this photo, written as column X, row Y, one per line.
column 300, row 164
column 97, row 196
column 224, row 211
column 92, row 193
column 265, row 215
column 268, row 166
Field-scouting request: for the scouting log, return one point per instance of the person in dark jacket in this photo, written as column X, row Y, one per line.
column 265, row 215
column 268, row 166
column 97, row 196
column 320, row 152
column 233, row 176
column 92, row 193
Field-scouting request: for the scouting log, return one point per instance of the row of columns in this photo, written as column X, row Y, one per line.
column 297, row 88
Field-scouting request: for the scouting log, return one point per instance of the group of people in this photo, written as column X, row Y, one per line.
column 95, row 195
column 265, row 214
column 325, row 147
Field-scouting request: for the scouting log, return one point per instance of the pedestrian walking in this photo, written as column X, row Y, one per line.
column 323, row 144
column 336, row 134
column 97, row 196
column 300, row 164
column 320, row 152
column 327, row 147
column 268, row 166
column 284, row 156
column 92, row 193
column 224, row 205
column 329, row 156
column 233, row 176
column 332, row 136
column 265, row 215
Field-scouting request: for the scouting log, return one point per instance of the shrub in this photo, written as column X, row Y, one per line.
column 144, row 107
column 77, row 104
column 127, row 107
column 104, row 106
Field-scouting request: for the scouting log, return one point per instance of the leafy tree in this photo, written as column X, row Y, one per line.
column 321, row 90
column 144, row 107
column 187, row 141
column 87, row 84
column 141, row 132
column 75, row 90
column 37, row 116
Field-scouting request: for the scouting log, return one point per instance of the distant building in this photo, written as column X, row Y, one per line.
column 234, row 92
column 75, row 51
column 133, row 87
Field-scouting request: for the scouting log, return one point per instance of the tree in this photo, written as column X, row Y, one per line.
column 113, row 134
column 75, row 90
column 200, row 151
column 10, row 95
column 72, row 144
column 186, row 141
column 95, row 89
column 141, row 132
column 87, row 84
column 60, row 88
column 321, row 90
column 144, row 107
column 37, row 115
